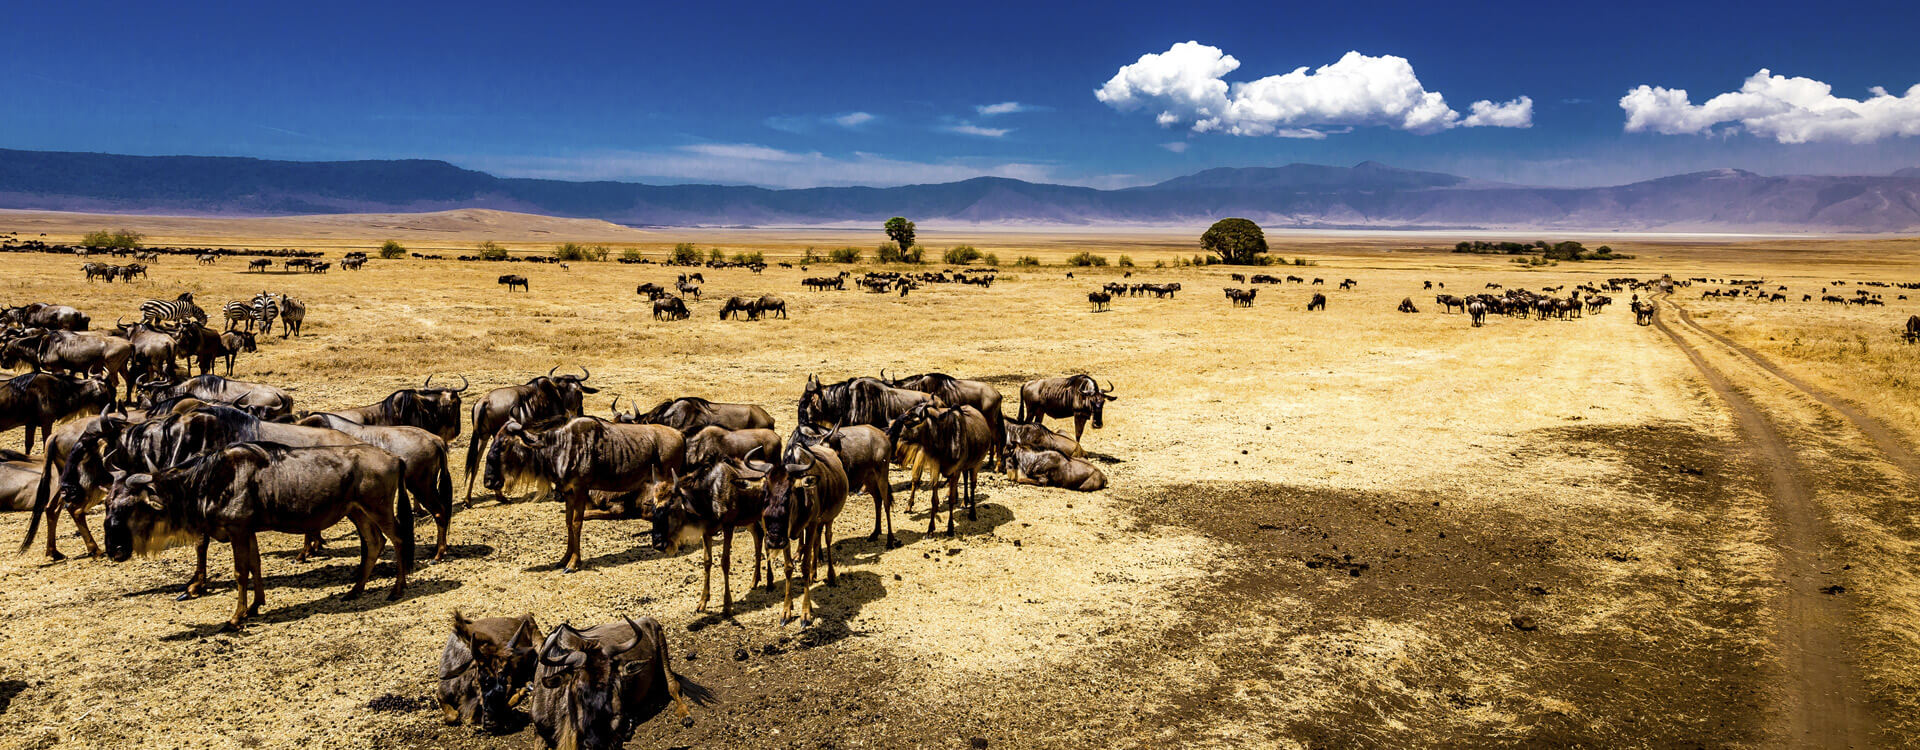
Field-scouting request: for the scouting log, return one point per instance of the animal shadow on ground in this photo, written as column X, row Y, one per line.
column 375, row 597
column 833, row 606
column 907, row 530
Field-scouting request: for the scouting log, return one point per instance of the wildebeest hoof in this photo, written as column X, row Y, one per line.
column 351, row 595
column 185, row 595
column 393, row 596
column 686, row 721
column 569, row 570
column 230, row 627
column 56, row 556
column 894, row 544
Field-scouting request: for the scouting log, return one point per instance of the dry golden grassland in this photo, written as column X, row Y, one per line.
column 1322, row 529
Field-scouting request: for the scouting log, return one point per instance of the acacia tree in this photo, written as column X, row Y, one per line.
column 1237, row 241
column 901, row 232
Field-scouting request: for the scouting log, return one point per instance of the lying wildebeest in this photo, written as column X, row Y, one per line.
column 868, row 401
column 671, row 308
column 542, row 398
column 234, row 494
column 1241, row 297
column 39, row 399
column 73, row 352
column 19, row 478
column 1319, row 302
column 425, row 456
column 714, row 444
column 1045, row 468
column 806, row 490
column 690, row 414
column 258, row 399
column 1406, row 306
column 737, row 305
column 512, row 280
column 486, row 669
column 954, row 443
column 43, row 315
column 1040, row 438
column 592, row 685
column 581, row 455
column 1100, row 300
column 1076, row 396
column 436, row 410
column 865, row 455
column 770, row 304
column 725, row 497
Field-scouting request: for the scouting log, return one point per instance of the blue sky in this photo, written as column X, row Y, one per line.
column 799, row 94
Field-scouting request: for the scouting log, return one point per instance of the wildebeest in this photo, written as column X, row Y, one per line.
column 954, row 443
column 1448, row 302
column 868, row 401
column 671, row 308
column 542, row 398
column 436, row 410
column 1039, row 437
column 1913, row 329
column 210, row 347
column 19, row 478
column 512, row 280
column 425, row 456
column 865, row 455
column 806, row 490
column 486, row 669
column 687, row 288
column 713, row 444
column 233, row 494
column 1076, row 396
column 1047, row 468
column 259, row 264
column 258, row 399
column 72, row 352
column 1319, row 302
column 591, row 685
column 951, row 391
column 1478, row 311
column 1406, row 306
column 155, row 352
column 43, row 315
column 1241, row 297
column 721, row 499
column 581, row 455
column 770, row 304
column 1642, row 313
column 39, row 399
column 1100, row 300
column 293, row 315
column 737, row 305
column 690, row 414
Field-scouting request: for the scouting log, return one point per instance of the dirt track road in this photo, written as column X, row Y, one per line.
column 1822, row 701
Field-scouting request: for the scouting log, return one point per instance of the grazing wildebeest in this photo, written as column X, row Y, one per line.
column 513, row 280
column 806, row 490
column 89, row 476
column 671, row 308
column 713, row 444
column 650, row 290
column 1045, row 468
column 1406, row 306
column 865, row 455
column 258, row 399
column 1076, row 396
column 293, row 314
column 423, row 453
column 592, row 685
column 486, row 669
column 236, row 493
column 584, row 454
column 436, row 410
column 954, row 443
column 1241, row 297
column 39, row 399
column 72, row 352
column 1100, row 300
column 723, row 498
column 1319, row 302
column 737, row 305
column 690, row 414
column 536, row 400
column 770, row 304
column 43, row 315
column 1478, row 311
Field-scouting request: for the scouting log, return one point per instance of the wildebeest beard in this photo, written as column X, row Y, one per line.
column 134, row 527
column 514, row 468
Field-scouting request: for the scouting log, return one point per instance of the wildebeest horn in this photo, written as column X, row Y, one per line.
column 585, row 374
column 637, row 637
column 749, row 457
column 883, row 376
column 424, row 386
column 463, row 383
column 1109, row 387
column 550, row 372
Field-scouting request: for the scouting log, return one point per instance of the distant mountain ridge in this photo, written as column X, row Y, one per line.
column 1367, row 195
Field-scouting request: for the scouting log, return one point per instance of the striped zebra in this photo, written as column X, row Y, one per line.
column 265, row 310
column 238, row 314
column 172, row 311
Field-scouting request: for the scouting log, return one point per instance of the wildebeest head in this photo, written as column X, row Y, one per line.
column 436, row 410
column 812, row 399
column 503, row 668
column 685, row 500
column 146, row 513
column 788, row 480
column 569, row 391
column 1090, row 398
column 513, row 445
column 588, row 676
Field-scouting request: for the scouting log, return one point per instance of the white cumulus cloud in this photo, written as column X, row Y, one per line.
column 1788, row 110
column 1187, row 83
column 1003, row 108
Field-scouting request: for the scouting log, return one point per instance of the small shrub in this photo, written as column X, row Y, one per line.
column 392, row 249
column 715, row 255
column 1126, row 261
column 686, row 254
column 752, row 257
column 124, row 239
column 990, row 259
column 1084, row 258
column 1027, row 260
column 1159, row 264
column 630, row 255
column 845, row 255
column 572, row 251
column 811, row 257
column 960, row 255
column 491, row 250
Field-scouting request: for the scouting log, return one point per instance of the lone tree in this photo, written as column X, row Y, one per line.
column 1236, row 241
column 392, row 249
column 901, row 232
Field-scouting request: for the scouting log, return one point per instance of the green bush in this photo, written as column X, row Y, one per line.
column 960, row 255
column 630, row 254
column 1084, row 258
column 889, row 252
column 811, row 257
column 1126, row 261
column 990, row 259
column 1027, row 260
column 752, row 257
column 124, row 239
column 491, row 250
column 715, row 255
column 845, row 255
column 572, row 251
column 686, row 254
column 392, row 249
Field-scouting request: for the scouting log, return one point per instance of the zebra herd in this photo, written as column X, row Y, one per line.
column 258, row 314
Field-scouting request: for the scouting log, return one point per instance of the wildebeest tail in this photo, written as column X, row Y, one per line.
column 403, row 522
column 42, row 493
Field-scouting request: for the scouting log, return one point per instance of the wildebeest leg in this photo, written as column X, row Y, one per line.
column 887, row 489
column 371, row 543
column 973, row 478
column 79, row 513
column 1079, row 426
column 576, row 515
column 311, row 546
column 197, row 585
column 29, row 446
column 726, row 571
column 759, row 545
column 706, row 582
column 786, row 601
column 826, row 551
column 809, row 558
column 244, row 559
column 953, row 503
column 52, row 515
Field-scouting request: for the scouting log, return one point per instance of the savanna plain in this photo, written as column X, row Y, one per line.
column 1345, row 528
